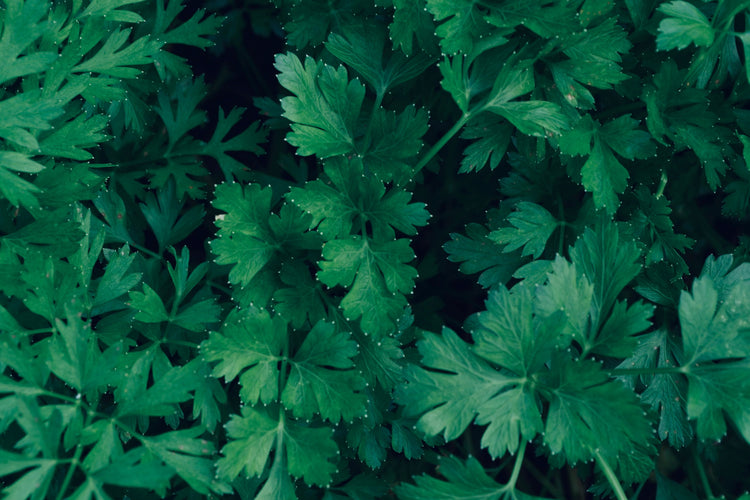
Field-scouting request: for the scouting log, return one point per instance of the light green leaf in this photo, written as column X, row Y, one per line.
column 531, row 227
column 684, row 24
column 448, row 393
column 250, row 345
column 322, row 379
column 148, row 306
column 325, row 108
column 605, row 177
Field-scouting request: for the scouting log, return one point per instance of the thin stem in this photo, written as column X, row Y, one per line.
column 143, row 249
column 517, row 466
column 662, row 185
column 443, row 140
column 75, row 461
column 219, row 287
column 375, row 106
column 702, row 474
column 561, row 224
column 610, row 475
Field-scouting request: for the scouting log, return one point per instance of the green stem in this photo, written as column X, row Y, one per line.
column 517, row 466
column 561, row 223
column 368, row 133
column 143, row 249
column 443, row 140
column 610, row 475
column 662, row 185
column 702, row 474
column 219, row 287
column 76, row 460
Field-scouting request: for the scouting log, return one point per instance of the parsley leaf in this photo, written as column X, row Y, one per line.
column 350, row 199
column 532, row 225
column 325, row 108
column 684, row 24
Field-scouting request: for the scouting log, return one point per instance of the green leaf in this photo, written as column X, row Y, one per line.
column 33, row 484
column 191, row 458
column 116, row 56
column 325, row 108
column 184, row 281
column 378, row 277
column 510, row 335
column 187, row 116
column 463, row 481
column 548, row 19
column 115, row 281
column 594, row 61
column 532, row 225
column 608, row 263
column 585, row 405
column 351, row 199
column 168, row 219
column 304, row 451
column 250, row 346
column 477, row 253
column 714, row 327
column 197, row 315
column 244, row 235
column 109, row 9
column 193, row 31
column 148, row 475
column 605, row 177
column 210, row 398
column 567, row 290
column 461, row 24
column 665, row 393
column 537, row 118
column 148, row 306
column 491, row 141
column 396, row 138
column 362, row 50
column 712, row 330
column 72, row 138
column 301, row 301
column 174, row 386
column 219, row 145
column 667, row 489
column 456, row 81
column 708, row 147
column 23, row 25
column 616, row 338
column 75, row 356
column 15, row 189
column 322, row 379
column 684, row 24
column 251, row 439
column 454, row 384
column 411, row 20
column 625, row 139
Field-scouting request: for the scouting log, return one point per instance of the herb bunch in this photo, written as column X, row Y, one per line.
column 470, row 250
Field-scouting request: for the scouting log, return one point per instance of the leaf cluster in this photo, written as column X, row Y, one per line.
column 467, row 250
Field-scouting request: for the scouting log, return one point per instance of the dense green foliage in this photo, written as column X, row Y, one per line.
column 468, row 249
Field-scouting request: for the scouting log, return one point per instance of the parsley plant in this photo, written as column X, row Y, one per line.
column 469, row 249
